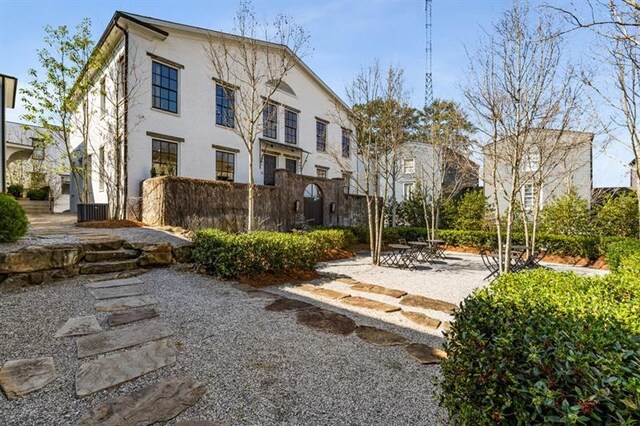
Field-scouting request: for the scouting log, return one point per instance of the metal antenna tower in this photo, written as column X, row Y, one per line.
column 428, row 79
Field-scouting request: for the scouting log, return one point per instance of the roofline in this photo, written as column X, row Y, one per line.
column 194, row 29
column 591, row 134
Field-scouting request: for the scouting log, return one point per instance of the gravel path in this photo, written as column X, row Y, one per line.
column 258, row 367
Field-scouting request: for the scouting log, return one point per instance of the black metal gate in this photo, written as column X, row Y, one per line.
column 313, row 206
column 269, row 170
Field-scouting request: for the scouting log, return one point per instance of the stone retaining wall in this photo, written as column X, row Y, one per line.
column 197, row 203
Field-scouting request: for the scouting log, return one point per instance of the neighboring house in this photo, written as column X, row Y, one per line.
column 33, row 164
column 600, row 195
column 419, row 164
column 551, row 164
column 180, row 121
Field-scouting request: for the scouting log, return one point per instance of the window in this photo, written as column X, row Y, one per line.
column 164, row 158
column 65, row 183
column 38, row 153
column 532, row 162
column 101, row 169
column 103, row 96
column 321, row 172
column 409, row 166
column 290, row 126
column 408, row 190
column 291, row 165
column 270, row 121
column 346, row 181
column 224, row 106
column 225, row 166
column 321, row 135
column 528, row 197
column 346, row 143
column 165, row 87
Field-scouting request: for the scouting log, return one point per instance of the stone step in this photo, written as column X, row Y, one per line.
column 126, row 317
column 121, row 367
column 363, row 302
column 107, row 267
column 102, row 244
column 114, row 283
column 112, row 340
column 122, row 303
column 116, row 292
column 22, row 376
column 110, row 255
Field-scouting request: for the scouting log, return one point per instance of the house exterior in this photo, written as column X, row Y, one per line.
column 551, row 164
column 34, row 165
column 421, row 164
column 177, row 116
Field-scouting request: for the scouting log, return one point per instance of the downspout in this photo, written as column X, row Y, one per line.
column 125, row 160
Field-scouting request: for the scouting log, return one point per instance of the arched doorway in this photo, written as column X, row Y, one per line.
column 313, row 205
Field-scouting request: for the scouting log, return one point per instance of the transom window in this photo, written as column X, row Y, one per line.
column 270, row 121
column 225, row 166
column 321, row 172
column 409, row 165
column 165, row 87
column 164, row 158
column 321, row 135
column 346, row 143
column 224, row 106
column 290, row 126
column 291, row 165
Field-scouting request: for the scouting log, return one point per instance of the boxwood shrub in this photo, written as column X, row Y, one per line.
column 615, row 251
column 544, row 347
column 232, row 255
column 13, row 220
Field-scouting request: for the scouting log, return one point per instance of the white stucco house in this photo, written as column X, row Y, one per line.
column 178, row 116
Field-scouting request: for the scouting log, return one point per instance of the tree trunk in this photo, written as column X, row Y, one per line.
column 251, row 195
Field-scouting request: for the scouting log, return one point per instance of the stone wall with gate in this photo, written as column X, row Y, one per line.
column 197, row 203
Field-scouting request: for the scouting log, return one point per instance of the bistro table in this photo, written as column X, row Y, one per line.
column 438, row 246
column 424, row 250
column 399, row 255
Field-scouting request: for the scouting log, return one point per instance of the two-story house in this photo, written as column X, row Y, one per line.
column 177, row 115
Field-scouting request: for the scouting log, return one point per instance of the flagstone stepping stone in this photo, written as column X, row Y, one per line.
column 380, row 337
column 421, row 319
column 363, row 302
column 348, row 280
column 285, row 304
column 112, row 370
column 115, row 292
column 199, row 423
column 323, row 320
column 113, row 283
column 22, row 376
column 121, row 303
column 127, row 317
column 323, row 292
column 79, row 326
column 425, row 354
column 428, row 303
column 113, row 340
column 378, row 289
column 159, row 402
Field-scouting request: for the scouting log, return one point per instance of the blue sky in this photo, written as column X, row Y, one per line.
column 345, row 35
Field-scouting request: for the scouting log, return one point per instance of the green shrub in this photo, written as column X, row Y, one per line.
column 13, row 221
column 329, row 239
column 232, row 255
column 618, row 216
column 38, row 194
column 543, row 347
column 16, row 190
column 411, row 211
column 470, row 211
column 567, row 215
column 617, row 250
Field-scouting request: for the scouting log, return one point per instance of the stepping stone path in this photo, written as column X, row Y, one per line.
column 109, row 341
column 428, row 303
column 425, row 354
column 79, row 326
column 114, row 292
column 323, row 292
column 378, row 289
column 23, row 376
column 421, row 319
column 124, row 303
column 323, row 320
column 127, row 317
column 363, row 302
column 159, row 402
column 113, row 283
column 380, row 337
column 284, row 304
column 199, row 423
column 121, row 367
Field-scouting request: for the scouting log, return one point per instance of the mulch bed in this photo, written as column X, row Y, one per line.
column 269, row 279
column 337, row 254
column 111, row 224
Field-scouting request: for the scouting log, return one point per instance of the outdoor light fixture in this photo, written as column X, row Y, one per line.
column 8, row 86
column 332, row 207
column 296, row 206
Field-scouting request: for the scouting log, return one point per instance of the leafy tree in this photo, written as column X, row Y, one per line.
column 567, row 215
column 470, row 211
column 618, row 216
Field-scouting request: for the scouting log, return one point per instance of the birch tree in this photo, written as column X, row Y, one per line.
column 250, row 66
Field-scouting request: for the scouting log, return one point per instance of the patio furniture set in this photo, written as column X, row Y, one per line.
column 406, row 254
column 520, row 258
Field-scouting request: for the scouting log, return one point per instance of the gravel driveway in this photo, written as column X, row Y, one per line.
column 258, row 367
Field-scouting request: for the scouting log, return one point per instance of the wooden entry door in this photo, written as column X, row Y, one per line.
column 269, row 169
column 313, row 206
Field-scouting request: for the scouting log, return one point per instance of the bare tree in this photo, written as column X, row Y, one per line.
column 518, row 85
column 250, row 71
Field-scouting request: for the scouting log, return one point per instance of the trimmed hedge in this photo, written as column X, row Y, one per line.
column 232, row 255
column 544, row 347
column 16, row 190
column 40, row 194
column 13, row 220
column 617, row 250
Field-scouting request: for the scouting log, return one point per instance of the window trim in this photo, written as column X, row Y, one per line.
column 322, row 169
column 297, row 128
column 178, row 102
column 326, row 130
column 177, row 171
column 233, row 89
column 234, row 163
column 264, row 126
